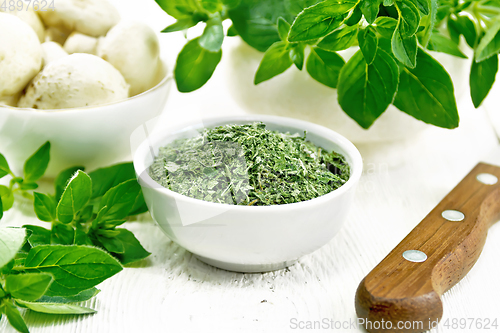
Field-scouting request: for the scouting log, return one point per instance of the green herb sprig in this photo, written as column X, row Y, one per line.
column 391, row 67
column 249, row 165
column 49, row 270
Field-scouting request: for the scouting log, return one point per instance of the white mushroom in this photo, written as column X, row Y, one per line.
column 80, row 43
column 133, row 48
column 29, row 16
column 20, row 55
column 51, row 52
column 73, row 81
column 90, row 17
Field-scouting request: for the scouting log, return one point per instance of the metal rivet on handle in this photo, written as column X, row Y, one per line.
column 415, row 256
column 487, row 178
column 453, row 215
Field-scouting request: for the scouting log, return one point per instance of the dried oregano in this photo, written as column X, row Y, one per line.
column 248, row 165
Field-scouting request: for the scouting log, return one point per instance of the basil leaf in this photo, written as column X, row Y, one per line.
column 39, row 235
column 1, row 208
column 35, row 166
column 213, row 35
column 324, row 66
column 276, row 60
column 118, row 201
column 28, row 186
column 489, row 44
column 385, row 26
column 409, row 18
column 212, row 6
column 195, row 66
column 81, row 238
column 431, row 22
column 283, row 29
column 231, row 32
column 355, row 17
column 75, row 197
column 368, row 43
column 81, row 297
column 426, row 93
column 319, row 20
column 181, row 24
column 423, row 6
column 370, row 9
column 28, row 287
column 104, row 179
column 62, row 180
column 482, row 77
column 365, row 91
column 111, row 244
column 6, row 270
column 340, row 39
column 440, row 43
column 255, row 20
column 388, row 3
column 11, row 241
column 55, row 308
column 178, row 8
column 297, row 55
column 14, row 317
column 7, row 198
column 62, row 234
column 133, row 250
column 230, row 4
column 4, row 167
column 75, row 268
column 405, row 50
column 463, row 25
column 45, row 207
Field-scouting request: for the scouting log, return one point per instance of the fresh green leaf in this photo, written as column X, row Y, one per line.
column 75, row 197
column 324, row 66
column 111, row 244
column 104, row 179
column 340, row 39
column 75, row 268
column 440, row 43
column 482, row 77
column 297, row 55
column 409, row 18
column 195, row 65
column 63, row 178
column 11, row 241
column 388, row 3
column 45, row 207
column 112, row 224
column 212, row 6
column 118, row 201
column 368, row 43
column 283, row 29
column 81, row 297
column 35, row 166
column 28, row 186
column 7, row 197
column 370, row 9
column 426, row 93
column 365, row 91
column 62, row 234
column 231, row 32
column 405, row 49
column 39, row 235
column 133, row 250
column 385, row 26
column 4, row 167
column 423, row 6
column 431, row 22
column 181, row 24
column 319, row 20
column 1, row 208
column 55, row 308
column 276, row 60
column 230, row 4
column 81, row 238
column 179, row 8
column 354, row 18
column 28, row 287
column 462, row 25
column 489, row 44
column 14, row 317
column 213, row 35
column 6, row 270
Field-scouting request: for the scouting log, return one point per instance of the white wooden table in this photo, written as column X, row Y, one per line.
column 172, row 291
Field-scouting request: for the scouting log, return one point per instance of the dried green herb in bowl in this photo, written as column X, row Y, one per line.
column 249, row 165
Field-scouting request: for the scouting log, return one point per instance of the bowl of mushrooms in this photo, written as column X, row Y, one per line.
column 79, row 77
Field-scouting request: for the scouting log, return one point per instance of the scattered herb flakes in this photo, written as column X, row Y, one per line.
column 248, row 165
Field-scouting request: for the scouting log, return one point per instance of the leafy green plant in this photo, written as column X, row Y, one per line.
column 391, row 66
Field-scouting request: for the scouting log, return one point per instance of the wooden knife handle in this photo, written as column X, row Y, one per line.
column 404, row 296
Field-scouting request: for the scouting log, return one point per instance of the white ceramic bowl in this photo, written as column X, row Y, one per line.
column 93, row 136
column 242, row 238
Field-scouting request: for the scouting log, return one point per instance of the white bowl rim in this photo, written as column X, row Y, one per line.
column 356, row 165
column 168, row 77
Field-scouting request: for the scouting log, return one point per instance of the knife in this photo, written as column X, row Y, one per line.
column 402, row 293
